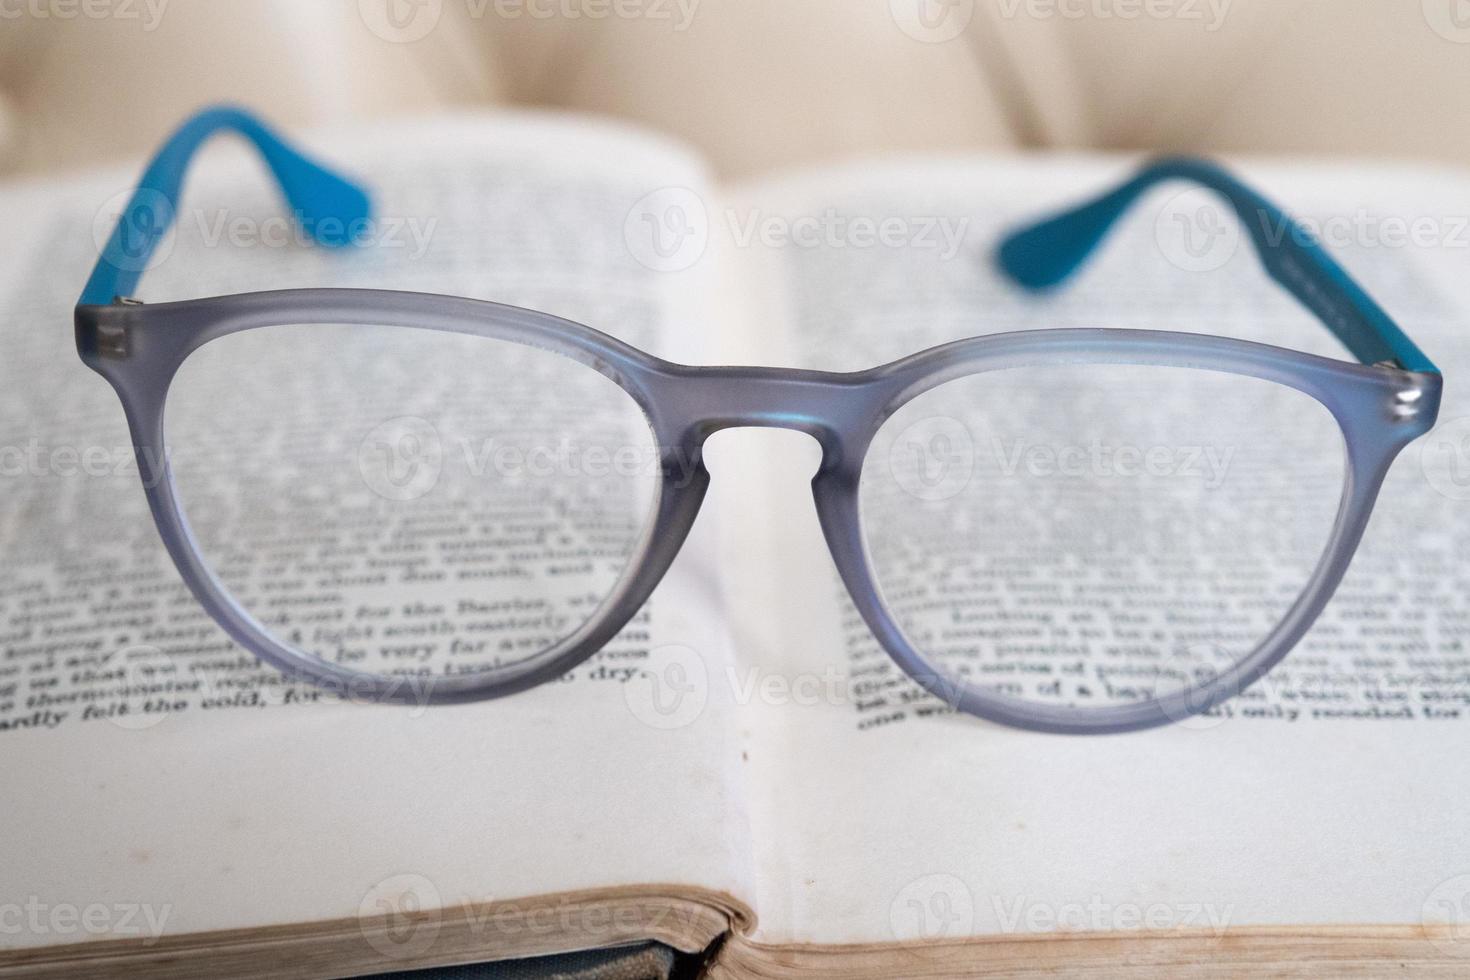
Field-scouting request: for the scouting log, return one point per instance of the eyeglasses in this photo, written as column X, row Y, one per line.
column 1067, row 530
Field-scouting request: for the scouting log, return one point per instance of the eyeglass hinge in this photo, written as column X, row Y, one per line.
column 112, row 340
column 126, row 301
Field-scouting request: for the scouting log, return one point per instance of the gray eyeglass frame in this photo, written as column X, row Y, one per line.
column 1379, row 407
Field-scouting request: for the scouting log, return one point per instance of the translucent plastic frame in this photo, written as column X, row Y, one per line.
column 1381, row 405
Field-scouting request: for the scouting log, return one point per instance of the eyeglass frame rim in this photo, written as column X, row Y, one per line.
column 139, row 348
column 1038, row 257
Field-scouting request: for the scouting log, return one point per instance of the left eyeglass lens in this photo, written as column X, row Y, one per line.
column 410, row 501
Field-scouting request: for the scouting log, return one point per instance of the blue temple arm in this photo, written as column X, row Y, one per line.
column 329, row 208
column 1045, row 254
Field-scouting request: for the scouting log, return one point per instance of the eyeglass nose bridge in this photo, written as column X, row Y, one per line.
column 836, row 409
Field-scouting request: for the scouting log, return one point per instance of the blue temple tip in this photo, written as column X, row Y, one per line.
column 334, row 212
column 331, row 209
column 1043, row 255
column 1034, row 259
column 1046, row 254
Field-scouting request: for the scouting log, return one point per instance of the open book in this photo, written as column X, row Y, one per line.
column 742, row 770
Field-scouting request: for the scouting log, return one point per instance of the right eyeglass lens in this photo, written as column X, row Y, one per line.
column 1092, row 535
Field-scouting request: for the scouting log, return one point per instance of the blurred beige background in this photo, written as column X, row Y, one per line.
column 761, row 83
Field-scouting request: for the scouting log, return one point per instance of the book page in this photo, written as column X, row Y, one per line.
column 153, row 769
column 1326, row 794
